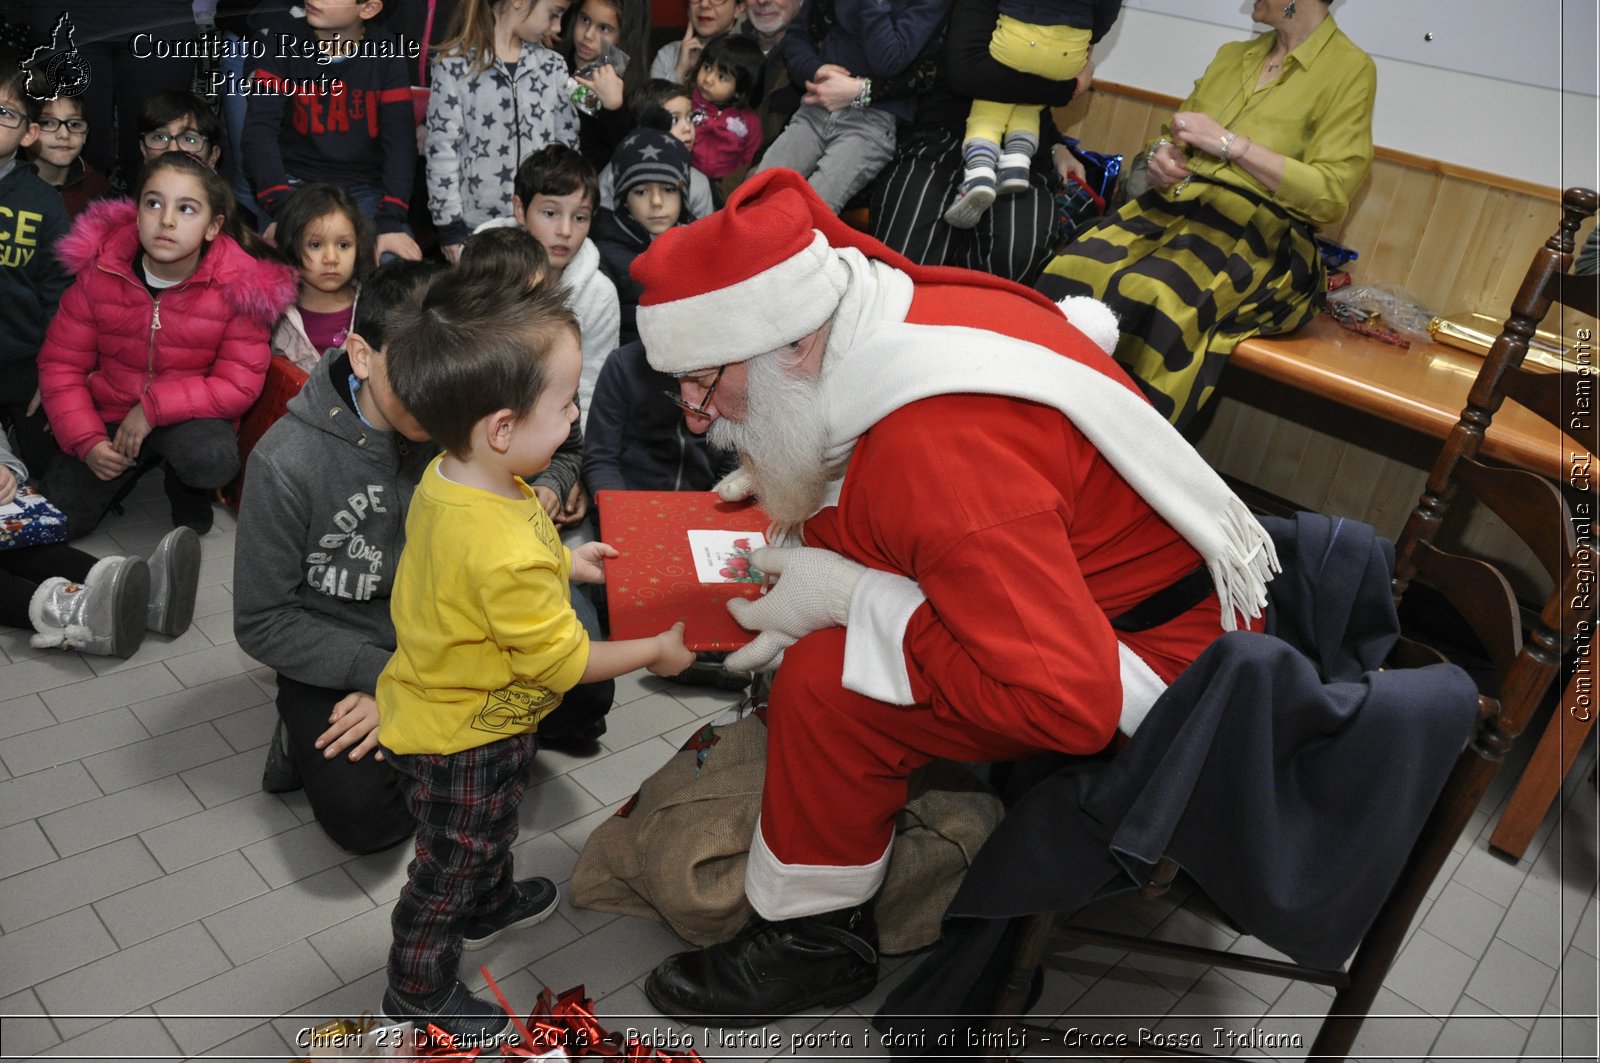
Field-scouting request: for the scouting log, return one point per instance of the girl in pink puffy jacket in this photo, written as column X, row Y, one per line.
column 160, row 344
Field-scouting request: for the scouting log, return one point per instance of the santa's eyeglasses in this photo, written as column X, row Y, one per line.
column 703, row 408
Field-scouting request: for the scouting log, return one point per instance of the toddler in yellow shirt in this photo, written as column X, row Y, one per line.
column 487, row 641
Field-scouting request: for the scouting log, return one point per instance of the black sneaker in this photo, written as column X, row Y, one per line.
column 280, row 775
column 474, row 1023
column 535, row 902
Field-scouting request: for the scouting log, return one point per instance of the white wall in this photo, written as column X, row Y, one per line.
column 1519, row 130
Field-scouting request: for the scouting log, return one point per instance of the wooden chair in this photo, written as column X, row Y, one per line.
column 1525, row 668
column 1548, row 282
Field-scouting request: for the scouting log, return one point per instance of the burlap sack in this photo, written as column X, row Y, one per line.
column 676, row 851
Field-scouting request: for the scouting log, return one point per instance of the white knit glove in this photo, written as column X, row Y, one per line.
column 737, row 486
column 813, row 592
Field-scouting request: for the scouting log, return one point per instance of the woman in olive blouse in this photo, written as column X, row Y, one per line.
column 1274, row 140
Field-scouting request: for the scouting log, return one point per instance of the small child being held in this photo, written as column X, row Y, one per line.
column 487, row 641
column 58, row 155
column 1053, row 40
column 323, row 235
column 727, row 129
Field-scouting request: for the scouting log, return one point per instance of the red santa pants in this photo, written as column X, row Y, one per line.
column 837, row 764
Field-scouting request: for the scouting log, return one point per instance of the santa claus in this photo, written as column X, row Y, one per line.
column 996, row 547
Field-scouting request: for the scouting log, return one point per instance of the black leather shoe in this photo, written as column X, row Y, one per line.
column 771, row 969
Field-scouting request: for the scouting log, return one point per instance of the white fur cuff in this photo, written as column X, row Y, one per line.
column 777, row 890
column 1140, row 689
column 874, row 643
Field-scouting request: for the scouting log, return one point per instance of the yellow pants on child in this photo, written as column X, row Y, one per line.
column 1055, row 52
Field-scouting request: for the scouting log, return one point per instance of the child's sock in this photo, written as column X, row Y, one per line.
column 982, row 158
column 1015, row 159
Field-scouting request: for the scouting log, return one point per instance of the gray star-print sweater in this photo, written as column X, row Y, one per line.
column 481, row 125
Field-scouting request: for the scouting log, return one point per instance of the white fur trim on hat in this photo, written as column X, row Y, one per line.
column 759, row 314
column 1094, row 319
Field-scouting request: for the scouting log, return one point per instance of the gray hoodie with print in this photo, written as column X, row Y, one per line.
column 321, row 525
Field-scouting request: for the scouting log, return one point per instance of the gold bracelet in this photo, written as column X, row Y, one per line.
column 1227, row 145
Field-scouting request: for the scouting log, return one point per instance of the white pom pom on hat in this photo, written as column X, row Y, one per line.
column 1092, row 318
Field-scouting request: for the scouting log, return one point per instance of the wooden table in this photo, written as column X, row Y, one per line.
column 1423, row 387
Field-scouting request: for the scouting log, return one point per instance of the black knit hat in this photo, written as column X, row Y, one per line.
column 650, row 155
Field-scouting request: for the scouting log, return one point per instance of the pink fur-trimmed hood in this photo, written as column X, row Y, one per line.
column 106, row 235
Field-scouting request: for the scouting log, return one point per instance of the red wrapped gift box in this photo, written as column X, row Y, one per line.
column 653, row 584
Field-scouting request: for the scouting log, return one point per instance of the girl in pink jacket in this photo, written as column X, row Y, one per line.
column 160, row 344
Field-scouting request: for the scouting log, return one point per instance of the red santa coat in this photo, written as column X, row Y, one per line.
column 1026, row 542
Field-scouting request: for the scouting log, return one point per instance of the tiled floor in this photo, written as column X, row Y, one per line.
column 155, row 904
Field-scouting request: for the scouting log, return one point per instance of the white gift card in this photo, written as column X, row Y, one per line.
column 724, row 556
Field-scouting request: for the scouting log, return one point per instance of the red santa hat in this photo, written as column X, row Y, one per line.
column 759, row 274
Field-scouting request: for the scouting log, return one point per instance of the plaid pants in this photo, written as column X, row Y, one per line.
column 465, row 805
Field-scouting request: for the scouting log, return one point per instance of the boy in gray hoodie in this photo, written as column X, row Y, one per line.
column 321, row 526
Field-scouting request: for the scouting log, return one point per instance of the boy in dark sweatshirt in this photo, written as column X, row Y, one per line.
column 321, row 526
column 32, row 219
column 331, row 101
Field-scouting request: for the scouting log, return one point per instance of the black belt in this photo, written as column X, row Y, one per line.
column 1169, row 603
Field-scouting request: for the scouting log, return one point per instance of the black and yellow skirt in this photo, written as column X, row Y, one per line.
column 1188, row 279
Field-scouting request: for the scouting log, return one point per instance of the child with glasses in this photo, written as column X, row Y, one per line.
column 58, row 155
column 32, row 219
column 180, row 121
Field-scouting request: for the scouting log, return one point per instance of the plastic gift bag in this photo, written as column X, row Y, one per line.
column 1383, row 311
column 584, row 98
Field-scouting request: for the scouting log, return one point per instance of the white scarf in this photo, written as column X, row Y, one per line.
column 876, row 363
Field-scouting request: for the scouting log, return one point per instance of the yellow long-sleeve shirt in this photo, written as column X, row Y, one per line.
column 486, row 639
column 1317, row 113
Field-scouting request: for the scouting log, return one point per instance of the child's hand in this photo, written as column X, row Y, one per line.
column 131, row 432
column 588, row 562
column 353, row 726
column 452, row 253
column 607, row 84
column 674, row 656
column 106, row 461
column 575, row 508
column 8, row 485
column 398, row 244
column 549, row 500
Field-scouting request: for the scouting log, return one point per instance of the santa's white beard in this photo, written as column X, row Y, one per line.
column 781, row 441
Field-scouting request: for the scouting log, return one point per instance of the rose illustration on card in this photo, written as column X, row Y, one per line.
column 724, row 556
